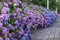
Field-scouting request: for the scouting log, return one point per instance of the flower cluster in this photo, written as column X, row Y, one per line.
column 16, row 21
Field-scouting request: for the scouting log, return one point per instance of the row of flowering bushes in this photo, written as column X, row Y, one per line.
column 17, row 20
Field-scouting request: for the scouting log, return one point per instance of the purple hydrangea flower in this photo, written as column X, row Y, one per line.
column 5, row 32
column 16, row 4
column 6, row 17
column 5, row 4
column 15, row 1
column 18, row 10
column 5, row 10
column 28, row 26
column 1, row 25
column 28, row 31
column 11, row 27
column 7, row 38
column 13, row 34
column 21, row 32
column 1, row 38
column 1, row 17
column 35, row 7
column 10, row 4
column 16, row 27
column 14, row 14
column 17, row 23
column 7, row 0
column 26, row 36
column 23, row 38
column 30, row 36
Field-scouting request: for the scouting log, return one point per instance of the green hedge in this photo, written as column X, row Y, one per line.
column 52, row 3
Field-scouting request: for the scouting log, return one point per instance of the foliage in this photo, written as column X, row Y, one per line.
column 1, row 0
column 52, row 3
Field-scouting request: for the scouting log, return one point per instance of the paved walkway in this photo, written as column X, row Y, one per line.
column 50, row 33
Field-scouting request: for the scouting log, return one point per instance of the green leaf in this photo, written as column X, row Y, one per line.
column 1, row 5
column 6, row 25
column 12, row 9
column 12, row 21
column 1, row 30
column 5, row 36
column 19, row 29
column 26, row 15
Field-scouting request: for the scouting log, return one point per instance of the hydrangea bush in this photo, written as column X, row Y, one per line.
column 17, row 19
